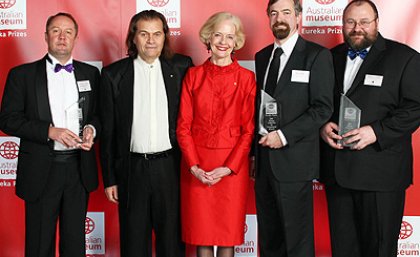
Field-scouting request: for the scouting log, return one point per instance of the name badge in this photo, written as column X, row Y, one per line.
column 373, row 80
column 301, row 76
column 84, row 85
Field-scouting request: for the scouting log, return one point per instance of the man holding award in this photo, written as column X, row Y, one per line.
column 367, row 155
column 295, row 79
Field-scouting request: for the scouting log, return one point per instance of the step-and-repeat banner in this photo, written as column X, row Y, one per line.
column 102, row 30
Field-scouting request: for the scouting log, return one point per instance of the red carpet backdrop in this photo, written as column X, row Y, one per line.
column 102, row 30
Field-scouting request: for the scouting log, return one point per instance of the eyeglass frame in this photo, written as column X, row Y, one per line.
column 364, row 23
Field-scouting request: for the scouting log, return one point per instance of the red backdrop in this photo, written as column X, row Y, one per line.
column 102, row 30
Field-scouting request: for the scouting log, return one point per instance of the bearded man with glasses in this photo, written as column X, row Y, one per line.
column 366, row 182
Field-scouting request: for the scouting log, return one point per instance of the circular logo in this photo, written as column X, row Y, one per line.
column 406, row 230
column 5, row 4
column 9, row 150
column 156, row 3
column 245, row 228
column 89, row 225
column 325, row 1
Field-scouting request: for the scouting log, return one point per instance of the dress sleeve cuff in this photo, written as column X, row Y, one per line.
column 282, row 137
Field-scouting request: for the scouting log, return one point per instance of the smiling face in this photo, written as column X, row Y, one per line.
column 283, row 19
column 360, row 26
column 222, row 42
column 61, row 37
column 149, row 39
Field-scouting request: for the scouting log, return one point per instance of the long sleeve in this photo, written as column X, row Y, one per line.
column 185, row 119
column 243, row 146
column 14, row 116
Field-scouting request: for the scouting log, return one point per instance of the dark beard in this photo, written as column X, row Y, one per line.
column 280, row 33
column 365, row 43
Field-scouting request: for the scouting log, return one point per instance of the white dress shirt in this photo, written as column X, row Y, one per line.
column 63, row 97
column 352, row 67
column 287, row 47
column 150, row 128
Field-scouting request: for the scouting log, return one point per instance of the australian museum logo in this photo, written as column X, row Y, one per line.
column 12, row 14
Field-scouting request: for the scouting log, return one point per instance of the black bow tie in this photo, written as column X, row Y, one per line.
column 353, row 54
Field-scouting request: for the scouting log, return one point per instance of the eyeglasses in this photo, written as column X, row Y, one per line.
column 350, row 23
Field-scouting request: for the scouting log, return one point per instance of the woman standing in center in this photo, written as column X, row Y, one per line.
column 215, row 130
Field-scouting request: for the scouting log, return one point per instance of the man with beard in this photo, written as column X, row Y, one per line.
column 299, row 76
column 366, row 183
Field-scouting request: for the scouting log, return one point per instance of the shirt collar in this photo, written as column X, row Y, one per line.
column 54, row 60
column 144, row 64
column 288, row 45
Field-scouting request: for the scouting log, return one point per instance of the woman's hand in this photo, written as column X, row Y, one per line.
column 217, row 174
column 201, row 175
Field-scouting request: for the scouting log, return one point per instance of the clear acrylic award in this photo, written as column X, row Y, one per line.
column 74, row 116
column 349, row 118
column 269, row 115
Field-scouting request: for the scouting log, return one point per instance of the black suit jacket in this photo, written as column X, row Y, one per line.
column 305, row 107
column 393, row 111
column 25, row 113
column 117, row 112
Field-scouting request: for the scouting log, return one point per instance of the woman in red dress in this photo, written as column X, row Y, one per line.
column 215, row 130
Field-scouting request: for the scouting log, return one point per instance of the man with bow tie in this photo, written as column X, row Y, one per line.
column 50, row 105
column 366, row 182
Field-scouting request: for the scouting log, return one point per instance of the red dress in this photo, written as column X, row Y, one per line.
column 215, row 129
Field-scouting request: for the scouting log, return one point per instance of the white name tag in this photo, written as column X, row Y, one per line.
column 373, row 80
column 84, row 85
column 301, row 76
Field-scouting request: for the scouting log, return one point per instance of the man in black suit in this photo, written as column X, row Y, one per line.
column 139, row 153
column 50, row 105
column 299, row 75
column 366, row 183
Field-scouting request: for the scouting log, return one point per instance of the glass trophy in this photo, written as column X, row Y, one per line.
column 269, row 115
column 74, row 116
column 349, row 118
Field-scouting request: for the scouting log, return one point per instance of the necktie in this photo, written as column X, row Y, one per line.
column 69, row 67
column 273, row 72
column 353, row 54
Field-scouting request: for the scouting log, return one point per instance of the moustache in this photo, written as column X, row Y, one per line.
column 280, row 24
column 355, row 33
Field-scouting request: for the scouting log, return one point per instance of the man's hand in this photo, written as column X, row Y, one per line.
column 64, row 136
column 271, row 140
column 112, row 194
column 87, row 139
column 363, row 137
column 329, row 135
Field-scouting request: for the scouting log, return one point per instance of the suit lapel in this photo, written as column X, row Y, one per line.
column 170, row 79
column 263, row 66
column 84, row 97
column 41, row 84
column 371, row 59
column 126, row 89
column 295, row 59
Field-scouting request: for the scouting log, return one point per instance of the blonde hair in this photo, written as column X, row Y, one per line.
column 208, row 28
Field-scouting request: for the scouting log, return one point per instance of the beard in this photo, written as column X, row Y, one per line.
column 280, row 33
column 367, row 40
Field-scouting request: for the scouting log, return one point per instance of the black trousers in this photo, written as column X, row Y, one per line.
column 64, row 199
column 284, row 214
column 153, row 205
column 364, row 223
